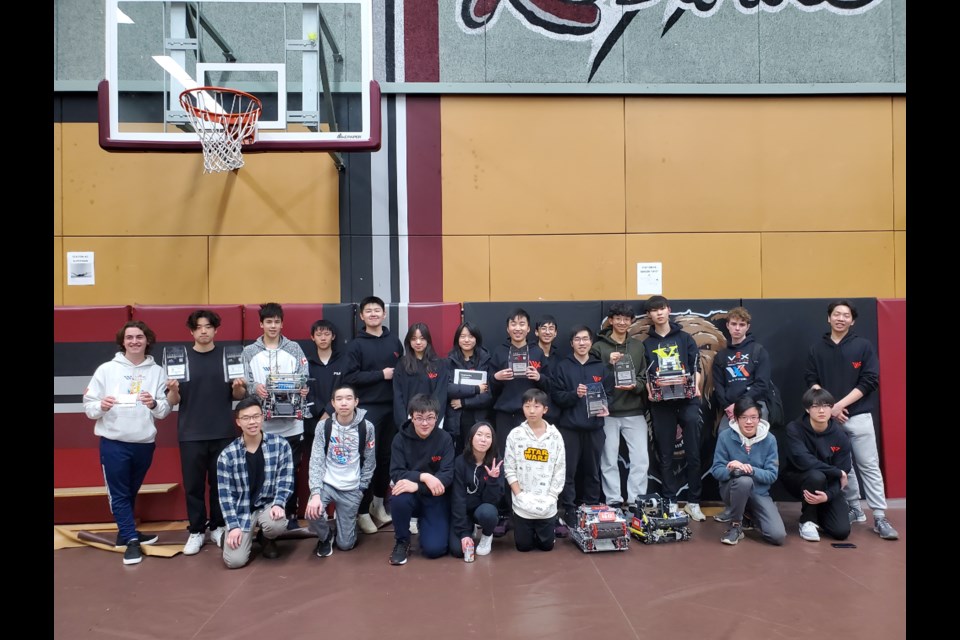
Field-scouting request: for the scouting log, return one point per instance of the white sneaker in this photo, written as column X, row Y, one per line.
column 693, row 510
column 194, row 542
column 808, row 531
column 484, row 546
column 379, row 513
column 216, row 536
column 366, row 523
column 414, row 529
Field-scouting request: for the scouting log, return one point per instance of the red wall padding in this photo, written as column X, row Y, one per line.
column 442, row 318
column 170, row 322
column 892, row 351
column 88, row 324
column 297, row 319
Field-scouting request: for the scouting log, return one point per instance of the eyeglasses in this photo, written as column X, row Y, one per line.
column 749, row 418
column 581, row 340
column 424, row 419
column 249, row 419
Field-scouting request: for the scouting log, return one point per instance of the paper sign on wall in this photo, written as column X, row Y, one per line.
column 649, row 278
column 80, row 268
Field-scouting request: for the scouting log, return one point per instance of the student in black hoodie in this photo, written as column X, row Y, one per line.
column 421, row 471
column 742, row 368
column 817, row 463
column 669, row 347
column 847, row 366
column 469, row 403
column 370, row 361
column 419, row 370
column 583, row 435
column 326, row 365
column 477, row 489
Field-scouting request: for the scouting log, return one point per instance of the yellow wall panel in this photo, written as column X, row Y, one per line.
column 826, row 265
column 246, row 269
column 556, row 267
column 58, row 277
column 900, row 164
column 698, row 265
column 466, row 268
column 900, row 262
column 57, row 179
column 167, row 193
column 157, row 270
column 532, row 165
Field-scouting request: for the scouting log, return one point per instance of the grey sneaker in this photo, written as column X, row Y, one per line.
column 723, row 516
column 884, row 529
column 733, row 535
column 856, row 514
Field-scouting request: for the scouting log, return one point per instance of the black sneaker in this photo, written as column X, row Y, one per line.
column 142, row 538
column 500, row 530
column 747, row 524
column 400, row 551
column 133, row 554
column 268, row 547
column 293, row 524
column 325, row 547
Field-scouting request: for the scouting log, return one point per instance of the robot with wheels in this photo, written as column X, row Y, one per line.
column 652, row 523
column 670, row 379
column 284, row 399
column 600, row 528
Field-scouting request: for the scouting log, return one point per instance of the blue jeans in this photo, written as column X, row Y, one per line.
column 433, row 513
column 125, row 465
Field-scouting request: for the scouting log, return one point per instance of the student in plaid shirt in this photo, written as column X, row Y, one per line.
column 255, row 479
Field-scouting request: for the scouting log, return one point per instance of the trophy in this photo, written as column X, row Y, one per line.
column 175, row 363
column 596, row 399
column 519, row 361
column 233, row 362
column 624, row 371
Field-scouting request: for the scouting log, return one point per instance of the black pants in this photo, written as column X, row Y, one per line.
column 831, row 516
column 198, row 464
column 381, row 417
column 666, row 416
column 504, row 422
column 534, row 534
column 296, row 446
column 583, row 448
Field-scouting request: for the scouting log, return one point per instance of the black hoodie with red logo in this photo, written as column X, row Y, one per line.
column 367, row 356
column 828, row 451
column 509, row 393
column 566, row 376
column 839, row 368
column 411, row 455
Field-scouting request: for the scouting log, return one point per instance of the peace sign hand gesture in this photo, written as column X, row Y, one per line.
column 494, row 470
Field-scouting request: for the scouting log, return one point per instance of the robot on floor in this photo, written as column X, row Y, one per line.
column 654, row 523
column 599, row 527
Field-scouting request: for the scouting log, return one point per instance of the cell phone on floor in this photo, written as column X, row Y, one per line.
column 843, row 545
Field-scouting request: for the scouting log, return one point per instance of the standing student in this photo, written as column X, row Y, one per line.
column 742, row 368
column 419, row 370
column 273, row 353
column 469, row 403
column 627, row 405
column 846, row 365
column 325, row 366
column 341, row 466
column 126, row 396
column 546, row 331
column 535, row 471
column 205, row 426
column 371, row 360
column 476, row 491
column 582, row 433
column 669, row 348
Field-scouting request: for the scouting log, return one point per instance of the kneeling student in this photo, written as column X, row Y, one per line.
column 341, row 466
column 477, row 490
column 255, row 480
column 535, row 468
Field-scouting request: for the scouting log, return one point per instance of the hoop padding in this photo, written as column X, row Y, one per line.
column 225, row 119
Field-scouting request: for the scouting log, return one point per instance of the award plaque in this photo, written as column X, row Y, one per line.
column 624, row 371
column 519, row 361
column 474, row 377
column 232, row 362
column 175, row 363
column 596, row 399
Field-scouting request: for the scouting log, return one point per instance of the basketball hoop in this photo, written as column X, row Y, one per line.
column 225, row 120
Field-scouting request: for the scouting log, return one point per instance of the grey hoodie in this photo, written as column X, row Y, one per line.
column 339, row 466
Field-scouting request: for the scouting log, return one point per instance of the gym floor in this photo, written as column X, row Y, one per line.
column 696, row 588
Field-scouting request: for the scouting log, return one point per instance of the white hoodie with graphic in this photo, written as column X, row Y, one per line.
column 539, row 465
column 128, row 420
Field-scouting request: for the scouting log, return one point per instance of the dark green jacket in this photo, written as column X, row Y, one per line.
column 624, row 402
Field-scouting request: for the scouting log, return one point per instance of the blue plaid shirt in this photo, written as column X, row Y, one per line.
column 234, row 482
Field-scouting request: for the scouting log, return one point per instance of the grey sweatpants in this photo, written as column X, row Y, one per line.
column 236, row 558
column 348, row 503
column 866, row 457
column 738, row 495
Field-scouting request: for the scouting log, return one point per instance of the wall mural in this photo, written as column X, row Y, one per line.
column 603, row 22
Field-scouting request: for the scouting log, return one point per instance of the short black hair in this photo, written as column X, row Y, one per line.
column 546, row 318
column 535, row 395
column 744, row 403
column 655, row 302
column 474, row 331
column 246, row 403
column 333, row 394
column 371, row 300
column 621, row 309
column 844, row 303
column 817, row 396
column 270, row 310
column 582, row 327
column 210, row 316
column 323, row 324
column 422, row 403
column 518, row 313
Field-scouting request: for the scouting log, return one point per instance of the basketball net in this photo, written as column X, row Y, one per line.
column 225, row 120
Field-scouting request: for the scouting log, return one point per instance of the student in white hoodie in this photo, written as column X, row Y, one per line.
column 535, row 468
column 125, row 396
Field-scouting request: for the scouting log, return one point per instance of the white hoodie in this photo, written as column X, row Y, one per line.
column 539, row 465
column 121, row 378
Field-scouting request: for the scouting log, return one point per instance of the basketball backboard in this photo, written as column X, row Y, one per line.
column 310, row 63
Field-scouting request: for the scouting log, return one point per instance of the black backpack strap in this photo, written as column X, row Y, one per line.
column 327, row 431
column 362, row 428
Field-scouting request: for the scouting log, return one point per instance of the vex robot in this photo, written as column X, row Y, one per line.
column 283, row 396
column 600, row 528
column 669, row 377
column 653, row 523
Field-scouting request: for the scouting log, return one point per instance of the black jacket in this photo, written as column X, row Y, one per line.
column 472, row 486
column 324, row 378
column 411, row 455
column 828, row 451
column 566, row 376
column 741, row 370
column 686, row 349
column 839, row 368
column 367, row 356
column 508, row 394
column 475, row 404
column 431, row 381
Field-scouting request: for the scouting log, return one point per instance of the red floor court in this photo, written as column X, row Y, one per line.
column 694, row 589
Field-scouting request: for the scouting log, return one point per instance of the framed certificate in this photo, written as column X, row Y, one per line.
column 469, row 376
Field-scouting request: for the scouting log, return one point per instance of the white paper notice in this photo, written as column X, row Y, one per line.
column 649, row 278
column 80, row 268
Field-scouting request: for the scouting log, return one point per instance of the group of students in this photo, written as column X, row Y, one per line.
column 460, row 459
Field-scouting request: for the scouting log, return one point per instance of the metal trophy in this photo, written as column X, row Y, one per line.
column 233, row 362
column 519, row 361
column 596, row 399
column 175, row 363
column 625, row 372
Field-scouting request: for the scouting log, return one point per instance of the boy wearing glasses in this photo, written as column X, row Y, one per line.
column 255, row 480
column 421, row 471
column 847, row 366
